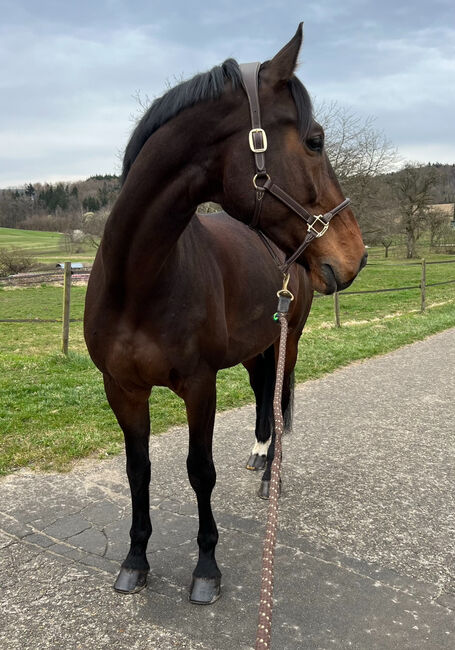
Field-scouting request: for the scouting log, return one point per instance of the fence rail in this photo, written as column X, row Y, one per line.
column 422, row 286
column 65, row 278
column 57, row 275
column 409, row 263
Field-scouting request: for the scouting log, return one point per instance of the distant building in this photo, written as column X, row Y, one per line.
column 446, row 208
column 74, row 265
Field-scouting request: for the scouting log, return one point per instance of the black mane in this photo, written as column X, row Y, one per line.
column 203, row 87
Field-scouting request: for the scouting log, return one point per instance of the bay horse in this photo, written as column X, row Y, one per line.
column 174, row 296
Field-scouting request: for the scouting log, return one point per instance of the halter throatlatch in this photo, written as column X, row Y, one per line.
column 317, row 225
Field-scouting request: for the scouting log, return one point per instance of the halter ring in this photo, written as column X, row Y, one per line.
column 260, row 175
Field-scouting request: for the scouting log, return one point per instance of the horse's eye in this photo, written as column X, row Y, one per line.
column 316, row 143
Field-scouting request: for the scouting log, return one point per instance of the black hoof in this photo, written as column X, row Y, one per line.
column 264, row 490
column 256, row 462
column 130, row 581
column 204, row 591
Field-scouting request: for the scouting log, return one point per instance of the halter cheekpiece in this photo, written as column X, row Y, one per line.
column 317, row 225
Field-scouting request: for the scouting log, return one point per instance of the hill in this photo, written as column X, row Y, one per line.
column 46, row 248
column 61, row 207
column 56, row 207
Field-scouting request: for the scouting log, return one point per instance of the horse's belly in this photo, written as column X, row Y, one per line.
column 247, row 342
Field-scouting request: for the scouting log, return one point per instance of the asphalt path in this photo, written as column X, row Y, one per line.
column 366, row 548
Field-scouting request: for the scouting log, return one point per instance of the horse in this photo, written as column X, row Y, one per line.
column 175, row 296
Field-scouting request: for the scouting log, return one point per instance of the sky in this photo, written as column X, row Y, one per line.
column 71, row 73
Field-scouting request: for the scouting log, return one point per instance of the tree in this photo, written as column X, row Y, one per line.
column 93, row 226
column 91, row 204
column 359, row 155
column 29, row 191
column 53, row 197
column 13, row 261
column 413, row 187
column 438, row 225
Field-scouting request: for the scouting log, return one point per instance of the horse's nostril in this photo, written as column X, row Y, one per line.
column 363, row 262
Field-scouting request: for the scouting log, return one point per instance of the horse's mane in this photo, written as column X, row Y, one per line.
column 203, row 87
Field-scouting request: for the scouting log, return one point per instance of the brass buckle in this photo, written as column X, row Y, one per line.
column 325, row 226
column 251, row 141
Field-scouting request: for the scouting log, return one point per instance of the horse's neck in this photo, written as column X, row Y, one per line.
column 156, row 204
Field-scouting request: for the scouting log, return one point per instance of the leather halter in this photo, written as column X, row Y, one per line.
column 317, row 225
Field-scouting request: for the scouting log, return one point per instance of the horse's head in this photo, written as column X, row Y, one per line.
column 295, row 161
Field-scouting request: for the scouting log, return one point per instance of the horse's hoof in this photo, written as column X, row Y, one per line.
column 130, row 581
column 256, row 462
column 204, row 591
column 264, row 490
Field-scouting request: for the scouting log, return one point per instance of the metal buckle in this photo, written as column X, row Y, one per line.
column 325, row 226
column 251, row 141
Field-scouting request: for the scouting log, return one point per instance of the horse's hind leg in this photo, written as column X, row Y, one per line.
column 261, row 371
column 200, row 401
column 132, row 413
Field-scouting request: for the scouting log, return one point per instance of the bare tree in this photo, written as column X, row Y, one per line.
column 13, row 260
column 93, row 226
column 413, row 187
column 438, row 225
column 354, row 146
column 359, row 154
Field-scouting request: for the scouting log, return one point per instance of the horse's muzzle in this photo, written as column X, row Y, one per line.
column 332, row 280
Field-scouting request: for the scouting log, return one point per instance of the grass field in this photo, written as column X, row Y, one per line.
column 44, row 247
column 53, row 408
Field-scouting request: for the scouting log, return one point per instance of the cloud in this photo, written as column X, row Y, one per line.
column 70, row 71
column 409, row 84
column 73, row 95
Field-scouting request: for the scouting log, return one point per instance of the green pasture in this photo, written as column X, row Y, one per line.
column 44, row 247
column 53, row 409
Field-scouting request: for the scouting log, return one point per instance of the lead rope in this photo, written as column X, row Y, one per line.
column 264, row 628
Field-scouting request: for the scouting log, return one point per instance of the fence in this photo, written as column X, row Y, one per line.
column 59, row 275
column 43, row 277
column 65, row 275
column 422, row 286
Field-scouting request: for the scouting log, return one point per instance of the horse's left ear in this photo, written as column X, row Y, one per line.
column 282, row 66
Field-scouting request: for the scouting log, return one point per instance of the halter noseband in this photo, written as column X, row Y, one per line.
column 258, row 145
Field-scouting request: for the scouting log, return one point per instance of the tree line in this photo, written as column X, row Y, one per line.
column 389, row 203
column 60, row 207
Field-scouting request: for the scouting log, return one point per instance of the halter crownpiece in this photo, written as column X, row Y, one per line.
column 317, row 225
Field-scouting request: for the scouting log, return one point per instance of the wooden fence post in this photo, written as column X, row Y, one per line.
column 66, row 307
column 423, row 286
column 336, row 302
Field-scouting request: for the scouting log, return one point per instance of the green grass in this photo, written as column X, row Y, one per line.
column 53, row 409
column 44, row 247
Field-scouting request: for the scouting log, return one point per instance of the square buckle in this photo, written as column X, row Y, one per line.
column 251, row 141
column 325, row 226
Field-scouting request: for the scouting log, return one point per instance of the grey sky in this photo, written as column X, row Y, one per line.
column 69, row 72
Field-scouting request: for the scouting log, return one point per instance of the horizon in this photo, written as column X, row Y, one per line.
column 77, row 179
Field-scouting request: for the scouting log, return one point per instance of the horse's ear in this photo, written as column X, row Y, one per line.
column 282, row 66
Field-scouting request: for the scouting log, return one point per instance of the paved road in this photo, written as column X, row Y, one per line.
column 366, row 555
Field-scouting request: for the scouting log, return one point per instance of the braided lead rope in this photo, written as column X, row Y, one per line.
column 264, row 629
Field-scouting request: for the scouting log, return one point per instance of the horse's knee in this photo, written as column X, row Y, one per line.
column 201, row 472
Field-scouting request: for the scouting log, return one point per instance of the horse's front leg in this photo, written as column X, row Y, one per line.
column 132, row 413
column 200, row 401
